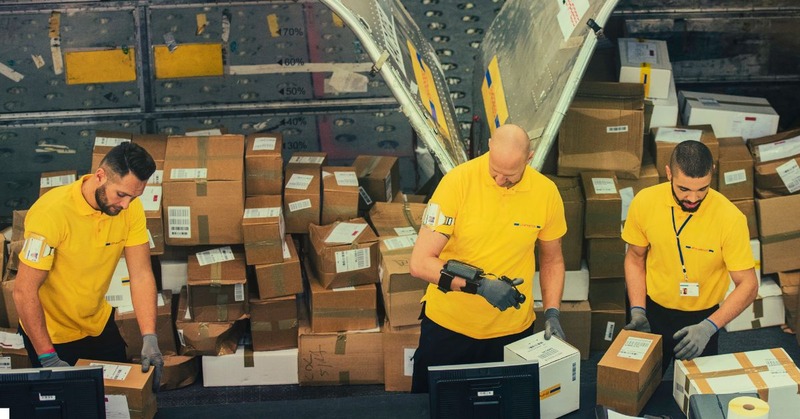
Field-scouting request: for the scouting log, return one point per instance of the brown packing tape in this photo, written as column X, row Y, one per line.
column 216, row 274
column 202, row 226
column 344, row 312
column 755, row 324
column 341, row 344
column 202, row 151
column 277, row 280
column 201, row 188
column 249, row 361
column 776, row 238
column 788, row 365
column 755, row 377
column 344, row 377
column 287, row 324
column 758, row 308
column 222, row 307
column 261, row 243
column 256, row 326
column 263, row 174
column 202, row 330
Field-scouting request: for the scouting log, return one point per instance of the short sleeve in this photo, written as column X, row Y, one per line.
column 137, row 222
column 632, row 231
column 556, row 225
column 736, row 250
column 442, row 210
column 42, row 237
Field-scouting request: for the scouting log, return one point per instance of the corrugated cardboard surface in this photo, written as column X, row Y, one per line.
column 648, row 175
column 603, row 130
column 205, row 338
column 379, row 176
column 280, row 279
column 263, row 236
column 221, row 155
column 625, row 384
column 18, row 224
column 17, row 358
column 273, row 323
column 137, row 387
column 662, row 150
column 310, row 162
column 748, row 208
column 767, row 180
column 339, row 202
column 340, row 358
column 606, row 325
column 607, row 293
column 323, row 256
column 8, row 297
column 155, row 227
column 250, row 368
column 603, row 211
column 401, row 291
column 165, row 328
column 731, row 116
column 179, row 371
column 735, row 158
column 302, row 207
column 779, row 234
column 574, row 207
column 263, row 169
column 396, row 218
column 350, row 308
column 45, row 175
column 215, row 209
column 576, row 320
column 606, row 258
column 399, row 346
column 767, row 309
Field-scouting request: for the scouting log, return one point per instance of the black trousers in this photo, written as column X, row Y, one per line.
column 665, row 322
column 108, row 346
column 441, row 346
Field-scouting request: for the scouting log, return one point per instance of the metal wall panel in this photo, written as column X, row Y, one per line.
column 345, row 136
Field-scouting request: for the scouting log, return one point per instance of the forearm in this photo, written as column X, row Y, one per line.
column 31, row 315
column 551, row 276
column 143, row 294
column 739, row 299
column 635, row 280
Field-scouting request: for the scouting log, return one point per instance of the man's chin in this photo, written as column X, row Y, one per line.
column 690, row 209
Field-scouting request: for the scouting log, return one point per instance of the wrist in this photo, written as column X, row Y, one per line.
column 445, row 281
column 551, row 312
column 47, row 354
column 713, row 326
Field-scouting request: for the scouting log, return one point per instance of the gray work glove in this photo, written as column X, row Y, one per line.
column 500, row 294
column 693, row 339
column 53, row 362
column 151, row 355
column 639, row 320
column 552, row 326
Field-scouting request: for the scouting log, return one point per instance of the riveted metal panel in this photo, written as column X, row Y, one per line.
column 383, row 132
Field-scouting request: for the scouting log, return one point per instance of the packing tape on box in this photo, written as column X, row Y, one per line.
column 344, row 377
column 202, row 152
column 344, row 312
column 222, row 307
column 200, row 188
column 747, row 407
column 216, row 274
column 249, row 361
column 788, row 365
column 777, row 238
column 758, row 308
column 287, row 324
column 261, row 243
column 341, row 344
column 256, row 326
column 202, row 227
column 701, row 378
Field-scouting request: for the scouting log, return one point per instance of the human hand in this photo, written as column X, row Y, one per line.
column 53, row 361
column 693, row 339
column 639, row 320
column 500, row 294
column 552, row 325
column 151, row 355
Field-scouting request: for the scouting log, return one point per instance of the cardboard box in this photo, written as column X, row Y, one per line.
column 306, row 162
column 767, row 309
column 104, row 141
column 218, row 291
column 648, row 176
column 645, row 61
column 748, row 208
column 156, row 146
column 50, row 180
column 151, row 201
column 119, row 289
column 340, row 309
column 608, row 294
column 205, row 338
column 576, row 320
column 165, row 328
column 129, row 381
column 661, row 112
column 264, row 229
column 263, row 164
column 666, row 138
column 7, row 287
column 779, row 233
column 18, row 225
column 790, row 283
column 302, row 200
column 343, row 358
column 574, row 208
column 735, row 169
column 576, row 285
column 344, row 253
column 179, row 371
column 603, row 205
column 339, row 194
column 401, row 291
column 13, row 254
column 559, row 372
column 378, row 178
column 629, row 372
column 174, row 273
column 251, row 368
column 755, row 246
column 731, row 116
column 704, row 406
column 13, row 354
column 204, row 190
column 396, row 218
column 399, row 346
column 606, row 325
column 606, row 258
column 280, row 279
column 602, row 130
column 273, row 323
column 769, row 372
column 774, row 157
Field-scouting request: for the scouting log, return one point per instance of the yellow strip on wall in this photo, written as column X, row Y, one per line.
column 102, row 66
column 188, row 60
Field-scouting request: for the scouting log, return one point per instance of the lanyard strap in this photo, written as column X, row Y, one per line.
column 678, row 239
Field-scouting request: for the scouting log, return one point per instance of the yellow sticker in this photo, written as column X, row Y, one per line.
column 202, row 23
column 190, row 60
column 274, row 26
column 337, row 21
column 494, row 97
column 102, row 66
column 644, row 78
column 427, row 90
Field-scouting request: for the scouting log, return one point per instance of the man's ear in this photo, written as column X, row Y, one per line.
column 669, row 173
column 101, row 175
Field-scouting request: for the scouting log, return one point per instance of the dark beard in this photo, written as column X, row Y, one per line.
column 102, row 201
column 680, row 203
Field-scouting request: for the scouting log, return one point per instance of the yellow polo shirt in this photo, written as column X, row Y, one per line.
column 714, row 241
column 80, row 247
column 493, row 228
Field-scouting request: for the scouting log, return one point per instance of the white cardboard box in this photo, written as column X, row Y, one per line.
column 119, row 290
column 249, row 368
column 665, row 111
column 645, row 61
column 769, row 372
column 576, row 285
column 559, row 372
column 730, row 116
column 174, row 274
column 767, row 310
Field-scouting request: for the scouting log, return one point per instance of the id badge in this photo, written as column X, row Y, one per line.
column 690, row 289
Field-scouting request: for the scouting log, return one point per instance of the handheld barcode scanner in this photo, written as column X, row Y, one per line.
column 474, row 276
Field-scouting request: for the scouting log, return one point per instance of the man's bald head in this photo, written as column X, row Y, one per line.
column 512, row 139
column 509, row 153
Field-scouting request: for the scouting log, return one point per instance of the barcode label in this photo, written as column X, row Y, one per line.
column 205, row 132
column 790, row 175
column 264, row 143
column 307, row 159
column 604, row 185
column 151, row 198
column 401, row 242
column 53, row 181
column 299, row 181
column 160, row 300
column 616, row 129
column 109, row 141
column 408, row 361
column 352, row 260
column 286, row 253
column 5, row 362
column 189, row 173
column 114, row 298
column 179, row 220
column 219, row 255
column 388, row 183
column 734, row 177
column 346, row 178
column 779, row 149
column 405, row 231
column 150, row 239
column 180, row 336
column 268, row 212
column 112, row 371
column 238, row 292
column 678, row 135
column 364, row 195
column 299, row 205
column 156, row 178
column 340, row 289
column 609, row 336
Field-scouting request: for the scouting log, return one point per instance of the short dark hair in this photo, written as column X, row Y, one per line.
column 130, row 158
column 693, row 158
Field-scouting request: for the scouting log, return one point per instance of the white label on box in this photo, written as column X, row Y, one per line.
column 708, row 101
column 11, row 341
column 352, row 260
column 150, row 240
column 299, row 205
column 570, row 14
column 388, row 183
column 343, row 81
column 299, row 181
column 604, row 185
column 286, row 253
column 5, row 364
column 159, row 300
column 609, row 336
column 53, row 181
column 219, row 255
column 635, row 348
column 151, row 198
column 408, row 361
column 238, row 292
column 616, row 129
column 400, row 242
column 735, row 176
column 340, row 289
column 627, row 196
column 113, row 372
column 267, row 212
column 364, row 195
column 345, row 232
column 642, row 52
column 125, row 309
column 678, row 135
column 264, row 143
column 405, row 231
column 790, row 175
column 117, row 406
column 205, row 132
column 180, row 331
column 189, row 173
column 109, row 141
column 156, row 178
column 346, row 178
column 307, row 159
column 779, row 149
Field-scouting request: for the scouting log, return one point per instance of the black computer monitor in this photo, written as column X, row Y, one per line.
column 484, row 391
column 66, row 392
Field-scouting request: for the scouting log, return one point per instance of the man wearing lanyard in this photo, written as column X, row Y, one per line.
column 684, row 242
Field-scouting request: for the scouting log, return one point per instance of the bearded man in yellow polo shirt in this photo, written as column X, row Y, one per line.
column 685, row 240
column 74, row 237
column 490, row 213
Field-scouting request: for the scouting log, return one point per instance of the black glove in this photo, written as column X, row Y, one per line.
column 639, row 320
column 499, row 293
column 151, row 355
column 552, row 325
